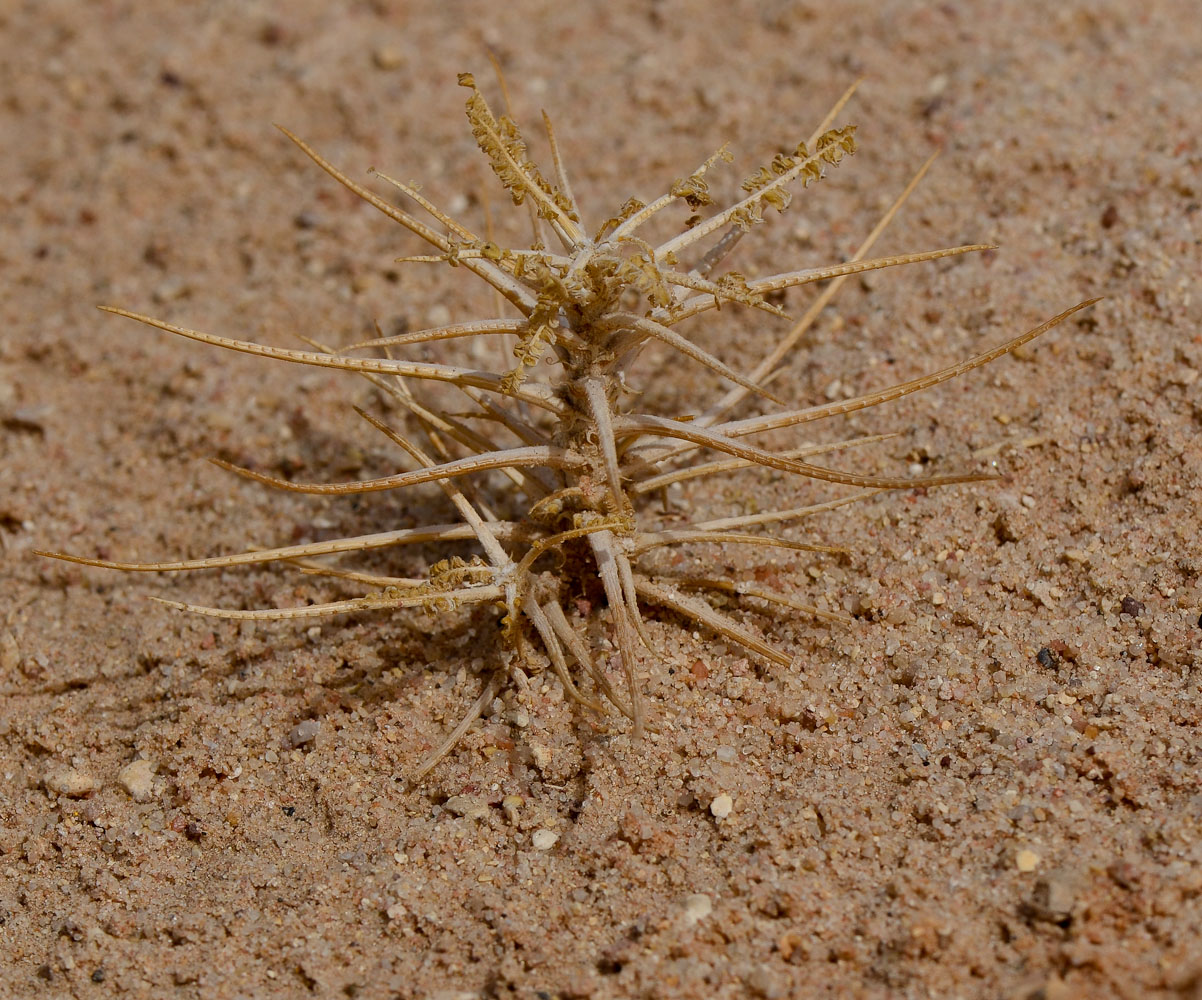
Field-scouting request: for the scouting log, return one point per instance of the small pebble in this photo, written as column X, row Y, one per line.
column 304, row 732
column 466, row 805
column 387, row 57
column 10, row 839
column 137, row 778
column 1055, row 895
column 10, row 653
column 438, row 315
column 510, row 806
column 696, row 907
column 1130, row 606
column 1057, row 989
column 73, row 784
column 544, row 840
column 722, row 805
column 1026, row 860
column 541, row 755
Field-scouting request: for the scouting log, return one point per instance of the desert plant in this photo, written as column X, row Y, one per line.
column 582, row 462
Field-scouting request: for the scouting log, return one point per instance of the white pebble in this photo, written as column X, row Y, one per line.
column 722, row 805
column 73, row 784
column 697, row 907
column 544, row 840
column 137, row 778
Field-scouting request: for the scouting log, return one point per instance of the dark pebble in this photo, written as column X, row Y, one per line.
column 98, row 976
column 1046, row 658
column 1130, row 606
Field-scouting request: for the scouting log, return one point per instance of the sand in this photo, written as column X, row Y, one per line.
column 987, row 786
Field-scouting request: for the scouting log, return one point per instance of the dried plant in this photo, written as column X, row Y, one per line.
column 582, row 462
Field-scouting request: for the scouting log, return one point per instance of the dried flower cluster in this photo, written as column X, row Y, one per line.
column 581, row 460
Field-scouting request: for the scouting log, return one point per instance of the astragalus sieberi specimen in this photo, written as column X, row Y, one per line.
column 574, row 510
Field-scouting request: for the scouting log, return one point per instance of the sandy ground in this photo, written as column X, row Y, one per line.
column 988, row 786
